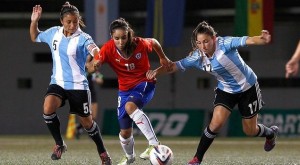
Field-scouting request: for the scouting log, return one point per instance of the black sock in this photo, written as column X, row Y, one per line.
column 53, row 125
column 265, row 132
column 95, row 134
column 207, row 138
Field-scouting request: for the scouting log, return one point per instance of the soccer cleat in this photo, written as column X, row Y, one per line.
column 127, row 160
column 146, row 154
column 270, row 143
column 194, row 161
column 57, row 151
column 105, row 158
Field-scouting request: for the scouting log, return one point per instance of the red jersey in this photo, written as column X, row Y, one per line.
column 130, row 71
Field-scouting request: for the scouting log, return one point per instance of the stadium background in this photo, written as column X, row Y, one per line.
column 182, row 102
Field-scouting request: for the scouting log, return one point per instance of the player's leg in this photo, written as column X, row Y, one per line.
column 143, row 123
column 127, row 143
column 53, row 100
column 137, row 99
column 219, row 118
column 93, row 131
column 251, row 128
column 94, row 107
column 125, row 135
column 223, row 105
column 79, row 127
column 249, row 106
column 80, row 104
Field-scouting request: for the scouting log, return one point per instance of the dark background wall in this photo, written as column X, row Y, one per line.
column 25, row 76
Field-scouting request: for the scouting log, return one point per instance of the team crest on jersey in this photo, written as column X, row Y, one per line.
column 138, row 56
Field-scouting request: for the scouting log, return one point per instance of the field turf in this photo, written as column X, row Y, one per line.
column 36, row 150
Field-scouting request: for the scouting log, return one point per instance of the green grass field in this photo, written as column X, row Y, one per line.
column 36, row 150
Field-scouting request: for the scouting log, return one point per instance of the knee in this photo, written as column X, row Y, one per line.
column 51, row 104
column 130, row 107
column 126, row 133
column 48, row 109
column 86, row 122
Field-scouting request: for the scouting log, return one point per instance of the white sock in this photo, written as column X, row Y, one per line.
column 143, row 123
column 127, row 145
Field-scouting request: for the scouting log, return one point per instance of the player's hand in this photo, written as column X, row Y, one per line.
column 151, row 74
column 166, row 63
column 265, row 35
column 36, row 13
column 291, row 68
column 92, row 66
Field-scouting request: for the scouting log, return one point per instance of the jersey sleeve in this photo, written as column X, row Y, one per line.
column 46, row 36
column 229, row 43
column 147, row 43
column 191, row 61
column 90, row 45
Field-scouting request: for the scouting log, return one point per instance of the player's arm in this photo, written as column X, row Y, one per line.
column 35, row 17
column 164, row 60
column 263, row 39
column 151, row 74
column 94, row 52
column 94, row 65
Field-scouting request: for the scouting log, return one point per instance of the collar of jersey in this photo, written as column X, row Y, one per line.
column 78, row 31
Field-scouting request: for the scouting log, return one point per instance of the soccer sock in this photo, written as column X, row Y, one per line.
column 53, row 125
column 94, row 134
column 127, row 145
column 207, row 138
column 143, row 123
column 264, row 131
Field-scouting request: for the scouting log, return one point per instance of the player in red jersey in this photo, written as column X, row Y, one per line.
column 127, row 55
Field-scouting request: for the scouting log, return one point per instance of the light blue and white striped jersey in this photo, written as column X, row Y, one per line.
column 69, row 56
column 226, row 64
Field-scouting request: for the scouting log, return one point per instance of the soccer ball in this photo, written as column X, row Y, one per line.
column 161, row 155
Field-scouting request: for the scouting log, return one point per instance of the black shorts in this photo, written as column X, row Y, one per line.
column 249, row 102
column 79, row 100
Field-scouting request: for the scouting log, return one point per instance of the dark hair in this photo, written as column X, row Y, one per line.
column 67, row 8
column 202, row 28
column 121, row 23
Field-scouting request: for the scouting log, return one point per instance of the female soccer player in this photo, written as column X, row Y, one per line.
column 237, row 83
column 128, row 57
column 70, row 47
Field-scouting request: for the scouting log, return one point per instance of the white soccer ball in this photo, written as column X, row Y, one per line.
column 161, row 155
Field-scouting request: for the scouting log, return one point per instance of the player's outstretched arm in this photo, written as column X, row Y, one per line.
column 263, row 39
column 35, row 17
column 163, row 59
column 292, row 66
